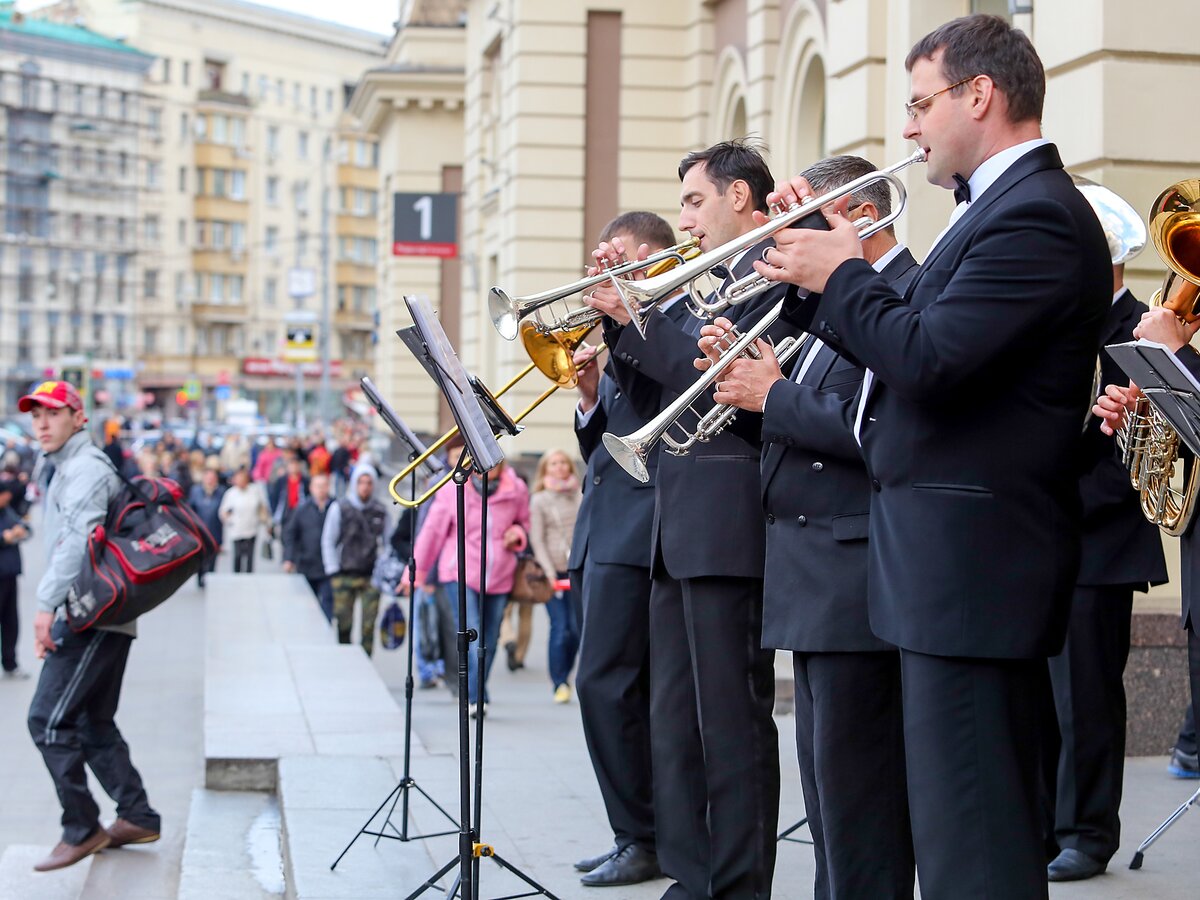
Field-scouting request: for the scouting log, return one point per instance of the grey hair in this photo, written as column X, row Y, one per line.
column 834, row 171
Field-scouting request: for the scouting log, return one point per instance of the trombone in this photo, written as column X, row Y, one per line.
column 651, row 291
column 414, row 502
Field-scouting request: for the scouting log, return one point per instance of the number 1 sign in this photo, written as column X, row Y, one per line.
column 425, row 225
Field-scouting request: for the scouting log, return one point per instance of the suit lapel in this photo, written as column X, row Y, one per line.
column 1036, row 160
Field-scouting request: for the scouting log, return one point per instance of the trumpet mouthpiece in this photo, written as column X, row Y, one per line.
column 503, row 313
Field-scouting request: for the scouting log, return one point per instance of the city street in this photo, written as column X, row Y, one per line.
column 542, row 808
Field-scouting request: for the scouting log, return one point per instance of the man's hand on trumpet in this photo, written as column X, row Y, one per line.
column 1163, row 327
column 604, row 297
column 746, row 382
column 589, row 376
column 1115, row 404
column 804, row 256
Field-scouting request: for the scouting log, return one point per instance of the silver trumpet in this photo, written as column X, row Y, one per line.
column 650, row 291
column 632, row 451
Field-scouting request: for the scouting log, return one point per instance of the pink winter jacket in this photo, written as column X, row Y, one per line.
column 508, row 505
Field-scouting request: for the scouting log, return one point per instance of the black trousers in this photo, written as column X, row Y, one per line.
column 1089, row 705
column 1194, row 670
column 1186, row 742
column 850, row 743
column 714, row 743
column 9, row 626
column 71, row 722
column 322, row 589
column 613, row 681
column 971, row 741
column 243, row 555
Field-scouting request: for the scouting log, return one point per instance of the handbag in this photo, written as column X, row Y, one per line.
column 530, row 584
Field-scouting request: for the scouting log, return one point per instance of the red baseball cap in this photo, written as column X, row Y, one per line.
column 53, row 394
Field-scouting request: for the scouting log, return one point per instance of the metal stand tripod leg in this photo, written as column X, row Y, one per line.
column 407, row 782
column 1145, row 845
column 786, row 834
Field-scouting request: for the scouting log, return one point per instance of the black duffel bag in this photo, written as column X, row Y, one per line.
column 149, row 544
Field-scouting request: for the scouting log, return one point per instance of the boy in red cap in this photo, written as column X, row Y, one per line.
column 71, row 715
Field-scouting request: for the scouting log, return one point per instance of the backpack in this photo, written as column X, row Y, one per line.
column 149, row 544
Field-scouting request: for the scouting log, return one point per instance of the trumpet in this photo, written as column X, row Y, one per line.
column 508, row 313
column 632, row 451
column 552, row 344
column 651, row 291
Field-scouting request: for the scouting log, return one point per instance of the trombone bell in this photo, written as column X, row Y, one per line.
column 553, row 352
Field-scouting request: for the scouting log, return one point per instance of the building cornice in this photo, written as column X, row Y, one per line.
column 382, row 90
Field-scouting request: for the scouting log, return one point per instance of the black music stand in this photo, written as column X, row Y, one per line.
column 479, row 418
column 399, row 794
column 786, row 834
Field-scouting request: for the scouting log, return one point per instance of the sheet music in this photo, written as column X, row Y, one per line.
column 440, row 360
column 1167, row 384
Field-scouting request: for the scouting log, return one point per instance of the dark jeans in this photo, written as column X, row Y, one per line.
column 243, row 555
column 71, row 722
column 322, row 588
column 8, row 622
column 493, row 612
column 564, row 635
column 209, row 565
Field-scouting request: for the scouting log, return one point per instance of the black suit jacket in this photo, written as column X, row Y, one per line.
column 972, row 431
column 817, row 498
column 707, row 517
column 1119, row 545
column 614, row 520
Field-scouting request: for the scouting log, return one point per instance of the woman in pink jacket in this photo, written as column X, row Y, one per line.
column 508, row 527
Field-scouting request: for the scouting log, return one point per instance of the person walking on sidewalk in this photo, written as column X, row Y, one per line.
column 12, row 532
column 552, row 512
column 353, row 530
column 205, row 498
column 71, row 715
column 243, row 509
column 302, row 532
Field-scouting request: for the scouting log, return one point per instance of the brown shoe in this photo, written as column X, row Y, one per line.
column 68, row 854
column 122, row 832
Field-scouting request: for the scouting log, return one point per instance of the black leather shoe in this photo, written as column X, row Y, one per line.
column 594, row 862
column 632, row 865
column 1074, row 865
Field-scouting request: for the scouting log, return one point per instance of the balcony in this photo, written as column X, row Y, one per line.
column 354, row 320
column 223, row 98
column 220, row 313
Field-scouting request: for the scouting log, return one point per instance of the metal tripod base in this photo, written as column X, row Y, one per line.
column 400, row 791
column 786, row 834
column 454, row 889
column 1158, row 832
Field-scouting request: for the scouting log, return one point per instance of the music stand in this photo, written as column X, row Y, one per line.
column 429, row 467
column 481, row 454
column 1175, row 393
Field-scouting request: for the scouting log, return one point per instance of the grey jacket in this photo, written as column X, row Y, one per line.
column 83, row 484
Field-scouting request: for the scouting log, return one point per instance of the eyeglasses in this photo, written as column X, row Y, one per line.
column 922, row 105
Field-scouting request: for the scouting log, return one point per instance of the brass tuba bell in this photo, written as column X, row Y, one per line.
column 1149, row 445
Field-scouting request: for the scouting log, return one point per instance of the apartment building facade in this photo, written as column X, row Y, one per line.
column 254, row 169
column 80, row 174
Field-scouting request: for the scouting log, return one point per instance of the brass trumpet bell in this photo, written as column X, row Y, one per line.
column 1175, row 232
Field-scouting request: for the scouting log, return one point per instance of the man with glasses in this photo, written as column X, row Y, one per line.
column 978, row 377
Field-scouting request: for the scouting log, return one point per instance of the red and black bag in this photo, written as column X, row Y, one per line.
column 150, row 543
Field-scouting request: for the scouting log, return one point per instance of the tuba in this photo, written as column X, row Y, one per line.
column 1149, row 445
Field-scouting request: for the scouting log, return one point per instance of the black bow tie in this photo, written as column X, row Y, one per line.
column 962, row 193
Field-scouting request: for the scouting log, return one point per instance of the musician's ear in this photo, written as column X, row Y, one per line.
column 740, row 197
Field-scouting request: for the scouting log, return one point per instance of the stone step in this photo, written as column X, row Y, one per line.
column 233, row 849
column 324, row 801
column 18, row 881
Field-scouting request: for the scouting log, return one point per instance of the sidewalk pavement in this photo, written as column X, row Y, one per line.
column 541, row 805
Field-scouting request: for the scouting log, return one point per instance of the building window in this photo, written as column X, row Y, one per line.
column 184, row 125
column 101, row 162
column 153, row 175
column 185, row 73
column 214, row 74
column 302, row 145
column 150, row 340
column 273, row 140
column 183, row 179
column 101, row 228
column 150, row 288
column 312, row 98
column 181, row 229
column 123, row 107
column 328, row 100
column 154, row 119
column 300, row 196
column 279, row 91
column 272, row 241
column 122, row 163
column 301, row 244
column 269, row 289
column 150, row 228
column 296, row 95
column 121, row 229
column 97, row 327
column 77, row 104
column 201, row 233
column 237, row 184
column 166, row 71
column 272, row 190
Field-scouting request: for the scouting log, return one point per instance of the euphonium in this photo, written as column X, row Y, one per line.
column 1149, row 445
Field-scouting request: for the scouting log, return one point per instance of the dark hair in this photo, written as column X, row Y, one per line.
column 988, row 45
column 731, row 161
column 644, row 227
column 835, row 171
